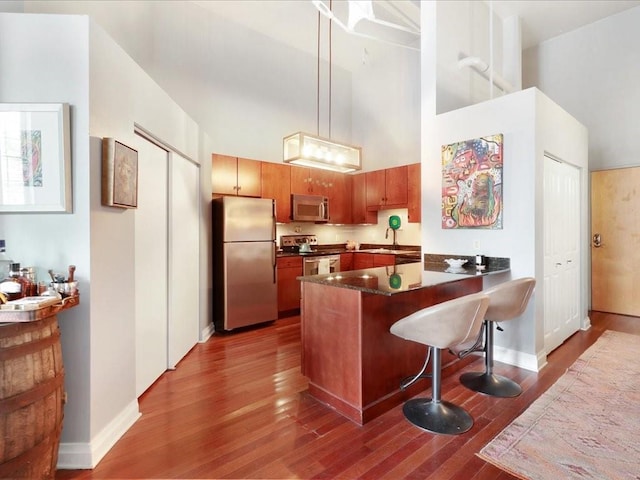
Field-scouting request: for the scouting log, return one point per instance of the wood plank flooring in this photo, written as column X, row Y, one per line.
column 236, row 407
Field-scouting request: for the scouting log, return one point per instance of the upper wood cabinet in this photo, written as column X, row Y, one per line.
column 340, row 198
column 359, row 211
column 311, row 181
column 235, row 176
column 276, row 184
column 333, row 185
column 414, row 194
column 387, row 188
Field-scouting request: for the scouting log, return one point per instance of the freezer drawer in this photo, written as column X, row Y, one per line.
column 251, row 291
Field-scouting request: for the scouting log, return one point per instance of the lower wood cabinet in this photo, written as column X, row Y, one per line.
column 346, row 262
column 371, row 260
column 288, row 287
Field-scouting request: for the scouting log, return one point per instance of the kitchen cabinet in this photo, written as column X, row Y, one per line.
column 340, row 198
column 387, row 188
column 359, row 212
column 333, row 185
column 235, row 176
column 276, row 184
column 383, row 259
column 346, row 261
column 413, row 194
column 289, row 268
column 311, row 181
column 371, row 260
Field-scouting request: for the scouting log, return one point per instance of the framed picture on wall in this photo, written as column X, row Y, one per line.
column 119, row 174
column 35, row 158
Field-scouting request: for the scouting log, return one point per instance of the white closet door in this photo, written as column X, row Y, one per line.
column 561, row 252
column 151, row 224
column 184, row 257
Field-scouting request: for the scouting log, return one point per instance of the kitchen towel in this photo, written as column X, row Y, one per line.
column 323, row 266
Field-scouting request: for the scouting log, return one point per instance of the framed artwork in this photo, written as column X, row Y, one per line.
column 119, row 174
column 35, row 158
column 472, row 183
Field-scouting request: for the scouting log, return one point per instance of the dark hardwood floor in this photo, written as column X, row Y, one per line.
column 237, row 407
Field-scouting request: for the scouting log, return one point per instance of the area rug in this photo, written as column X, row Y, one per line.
column 586, row 426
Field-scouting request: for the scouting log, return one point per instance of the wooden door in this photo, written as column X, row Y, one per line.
column 414, row 194
column 276, row 184
column 224, row 174
column 615, row 241
column 340, row 198
column 396, row 187
column 562, row 267
column 375, row 189
column 300, row 180
column 359, row 212
column 249, row 178
column 289, row 268
column 362, row 260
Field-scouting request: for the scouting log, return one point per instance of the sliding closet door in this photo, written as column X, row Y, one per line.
column 184, row 258
column 151, row 224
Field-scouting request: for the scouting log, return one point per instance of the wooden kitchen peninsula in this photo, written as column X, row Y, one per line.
column 353, row 363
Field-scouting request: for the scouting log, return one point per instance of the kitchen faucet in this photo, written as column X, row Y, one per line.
column 386, row 235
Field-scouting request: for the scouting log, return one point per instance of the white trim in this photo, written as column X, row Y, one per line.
column 75, row 456
column 205, row 333
column 519, row 359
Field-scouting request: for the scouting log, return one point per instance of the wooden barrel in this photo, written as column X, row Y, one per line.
column 31, row 398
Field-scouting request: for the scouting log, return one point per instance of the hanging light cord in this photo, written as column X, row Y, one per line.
column 330, row 64
column 318, row 82
column 318, row 74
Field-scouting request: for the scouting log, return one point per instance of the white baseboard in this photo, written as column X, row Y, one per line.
column 206, row 333
column 80, row 456
column 519, row 359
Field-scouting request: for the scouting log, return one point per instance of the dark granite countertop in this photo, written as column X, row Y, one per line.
column 387, row 280
column 436, row 263
column 410, row 276
column 407, row 251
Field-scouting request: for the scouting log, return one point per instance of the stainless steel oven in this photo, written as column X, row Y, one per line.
column 319, row 264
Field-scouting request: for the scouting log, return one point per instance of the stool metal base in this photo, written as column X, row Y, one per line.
column 437, row 417
column 490, row 384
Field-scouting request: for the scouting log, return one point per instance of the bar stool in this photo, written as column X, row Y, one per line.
column 441, row 326
column 508, row 300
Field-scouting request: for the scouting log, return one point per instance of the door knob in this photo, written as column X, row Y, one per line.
column 597, row 240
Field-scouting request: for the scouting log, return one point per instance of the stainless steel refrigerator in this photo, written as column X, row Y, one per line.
column 244, row 262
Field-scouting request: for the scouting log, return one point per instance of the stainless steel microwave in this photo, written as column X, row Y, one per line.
column 309, row 208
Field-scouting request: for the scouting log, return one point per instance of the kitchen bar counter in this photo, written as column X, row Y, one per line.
column 353, row 363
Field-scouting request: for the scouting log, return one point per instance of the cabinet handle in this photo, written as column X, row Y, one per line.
column 238, row 187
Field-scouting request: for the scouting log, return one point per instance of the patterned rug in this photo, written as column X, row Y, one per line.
column 586, row 426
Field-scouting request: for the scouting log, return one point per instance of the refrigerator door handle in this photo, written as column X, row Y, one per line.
column 274, row 264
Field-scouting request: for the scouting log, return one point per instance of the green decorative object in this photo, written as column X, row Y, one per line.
column 395, row 281
column 394, row 222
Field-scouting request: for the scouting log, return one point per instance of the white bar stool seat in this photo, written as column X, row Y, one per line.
column 440, row 327
column 508, row 300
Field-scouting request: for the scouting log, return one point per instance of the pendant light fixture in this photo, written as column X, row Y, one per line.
column 314, row 151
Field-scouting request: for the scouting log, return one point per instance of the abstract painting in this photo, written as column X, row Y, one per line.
column 35, row 158
column 472, row 183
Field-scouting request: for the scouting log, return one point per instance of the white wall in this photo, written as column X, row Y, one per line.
column 248, row 91
column 59, row 58
column 593, row 74
column 531, row 124
column 45, row 59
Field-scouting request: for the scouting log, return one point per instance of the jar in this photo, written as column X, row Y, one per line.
column 14, row 285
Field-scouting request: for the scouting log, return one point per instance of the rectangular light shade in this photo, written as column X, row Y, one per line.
column 312, row 151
